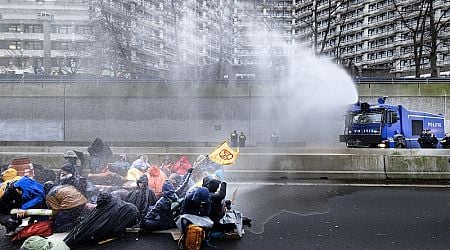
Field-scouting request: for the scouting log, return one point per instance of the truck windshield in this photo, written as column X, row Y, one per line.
column 366, row 118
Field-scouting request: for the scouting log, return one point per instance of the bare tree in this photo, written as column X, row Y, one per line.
column 341, row 19
column 79, row 57
column 319, row 34
column 115, row 37
column 333, row 6
column 413, row 17
column 436, row 25
column 221, row 14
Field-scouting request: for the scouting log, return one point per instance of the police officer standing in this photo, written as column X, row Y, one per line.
column 234, row 139
column 242, row 139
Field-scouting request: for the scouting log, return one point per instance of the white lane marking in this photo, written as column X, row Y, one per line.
column 338, row 184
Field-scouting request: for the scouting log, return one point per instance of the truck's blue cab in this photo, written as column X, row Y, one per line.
column 388, row 126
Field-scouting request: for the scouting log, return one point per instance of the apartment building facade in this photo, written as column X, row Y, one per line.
column 262, row 28
column 373, row 35
column 113, row 37
column 43, row 36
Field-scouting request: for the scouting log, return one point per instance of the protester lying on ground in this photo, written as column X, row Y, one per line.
column 9, row 175
column 166, row 165
column 142, row 197
column 68, row 204
column 181, row 166
column 161, row 215
column 108, row 220
column 121, row 166
column 156, row 179
column 24, row 194
column 39, row 243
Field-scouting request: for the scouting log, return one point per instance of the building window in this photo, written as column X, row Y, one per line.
column 61, row 45
column 14, row 28
column 57, row 62
column 33, row 45
column 34, row 28
column 63, row 29
column 84, row 30
column 14, row 45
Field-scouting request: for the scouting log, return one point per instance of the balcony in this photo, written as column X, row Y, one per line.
column 67, row 37
column 21, row 36
column 21, row 53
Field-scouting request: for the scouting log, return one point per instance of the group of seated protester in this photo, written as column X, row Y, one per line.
column 152, row 197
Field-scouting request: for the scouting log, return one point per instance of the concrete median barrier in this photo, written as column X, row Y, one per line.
column 283, row 164
column 251, row 166
column 418, row 167
column 307, row 166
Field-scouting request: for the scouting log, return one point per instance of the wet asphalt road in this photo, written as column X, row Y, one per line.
column 325, row 216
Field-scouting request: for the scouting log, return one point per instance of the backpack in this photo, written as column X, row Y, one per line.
column 192, row 239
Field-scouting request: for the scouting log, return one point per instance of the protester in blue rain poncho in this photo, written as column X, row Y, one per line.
column 31, row 191
column 161, row 216
column 23, row 194
column 195, row 210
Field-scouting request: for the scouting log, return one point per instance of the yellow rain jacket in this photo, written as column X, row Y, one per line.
column 9, row 175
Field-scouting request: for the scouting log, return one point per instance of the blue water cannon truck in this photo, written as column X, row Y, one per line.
column 388, row 126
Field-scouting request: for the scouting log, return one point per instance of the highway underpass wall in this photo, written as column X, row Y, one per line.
column 381, row 165
column 197, row 113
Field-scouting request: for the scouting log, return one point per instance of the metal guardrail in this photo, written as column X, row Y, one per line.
column 402, row 80
column 101, row 80
column 33, row 79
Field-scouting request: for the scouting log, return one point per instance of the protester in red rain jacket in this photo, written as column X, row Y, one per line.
column 181, row 166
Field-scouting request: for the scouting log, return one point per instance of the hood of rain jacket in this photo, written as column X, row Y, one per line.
column 154, row 171
column 9, row 174
column 211, row 183
column 32, row 192
column 182, row 165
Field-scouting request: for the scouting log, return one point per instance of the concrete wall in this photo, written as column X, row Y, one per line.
column 137, row 112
